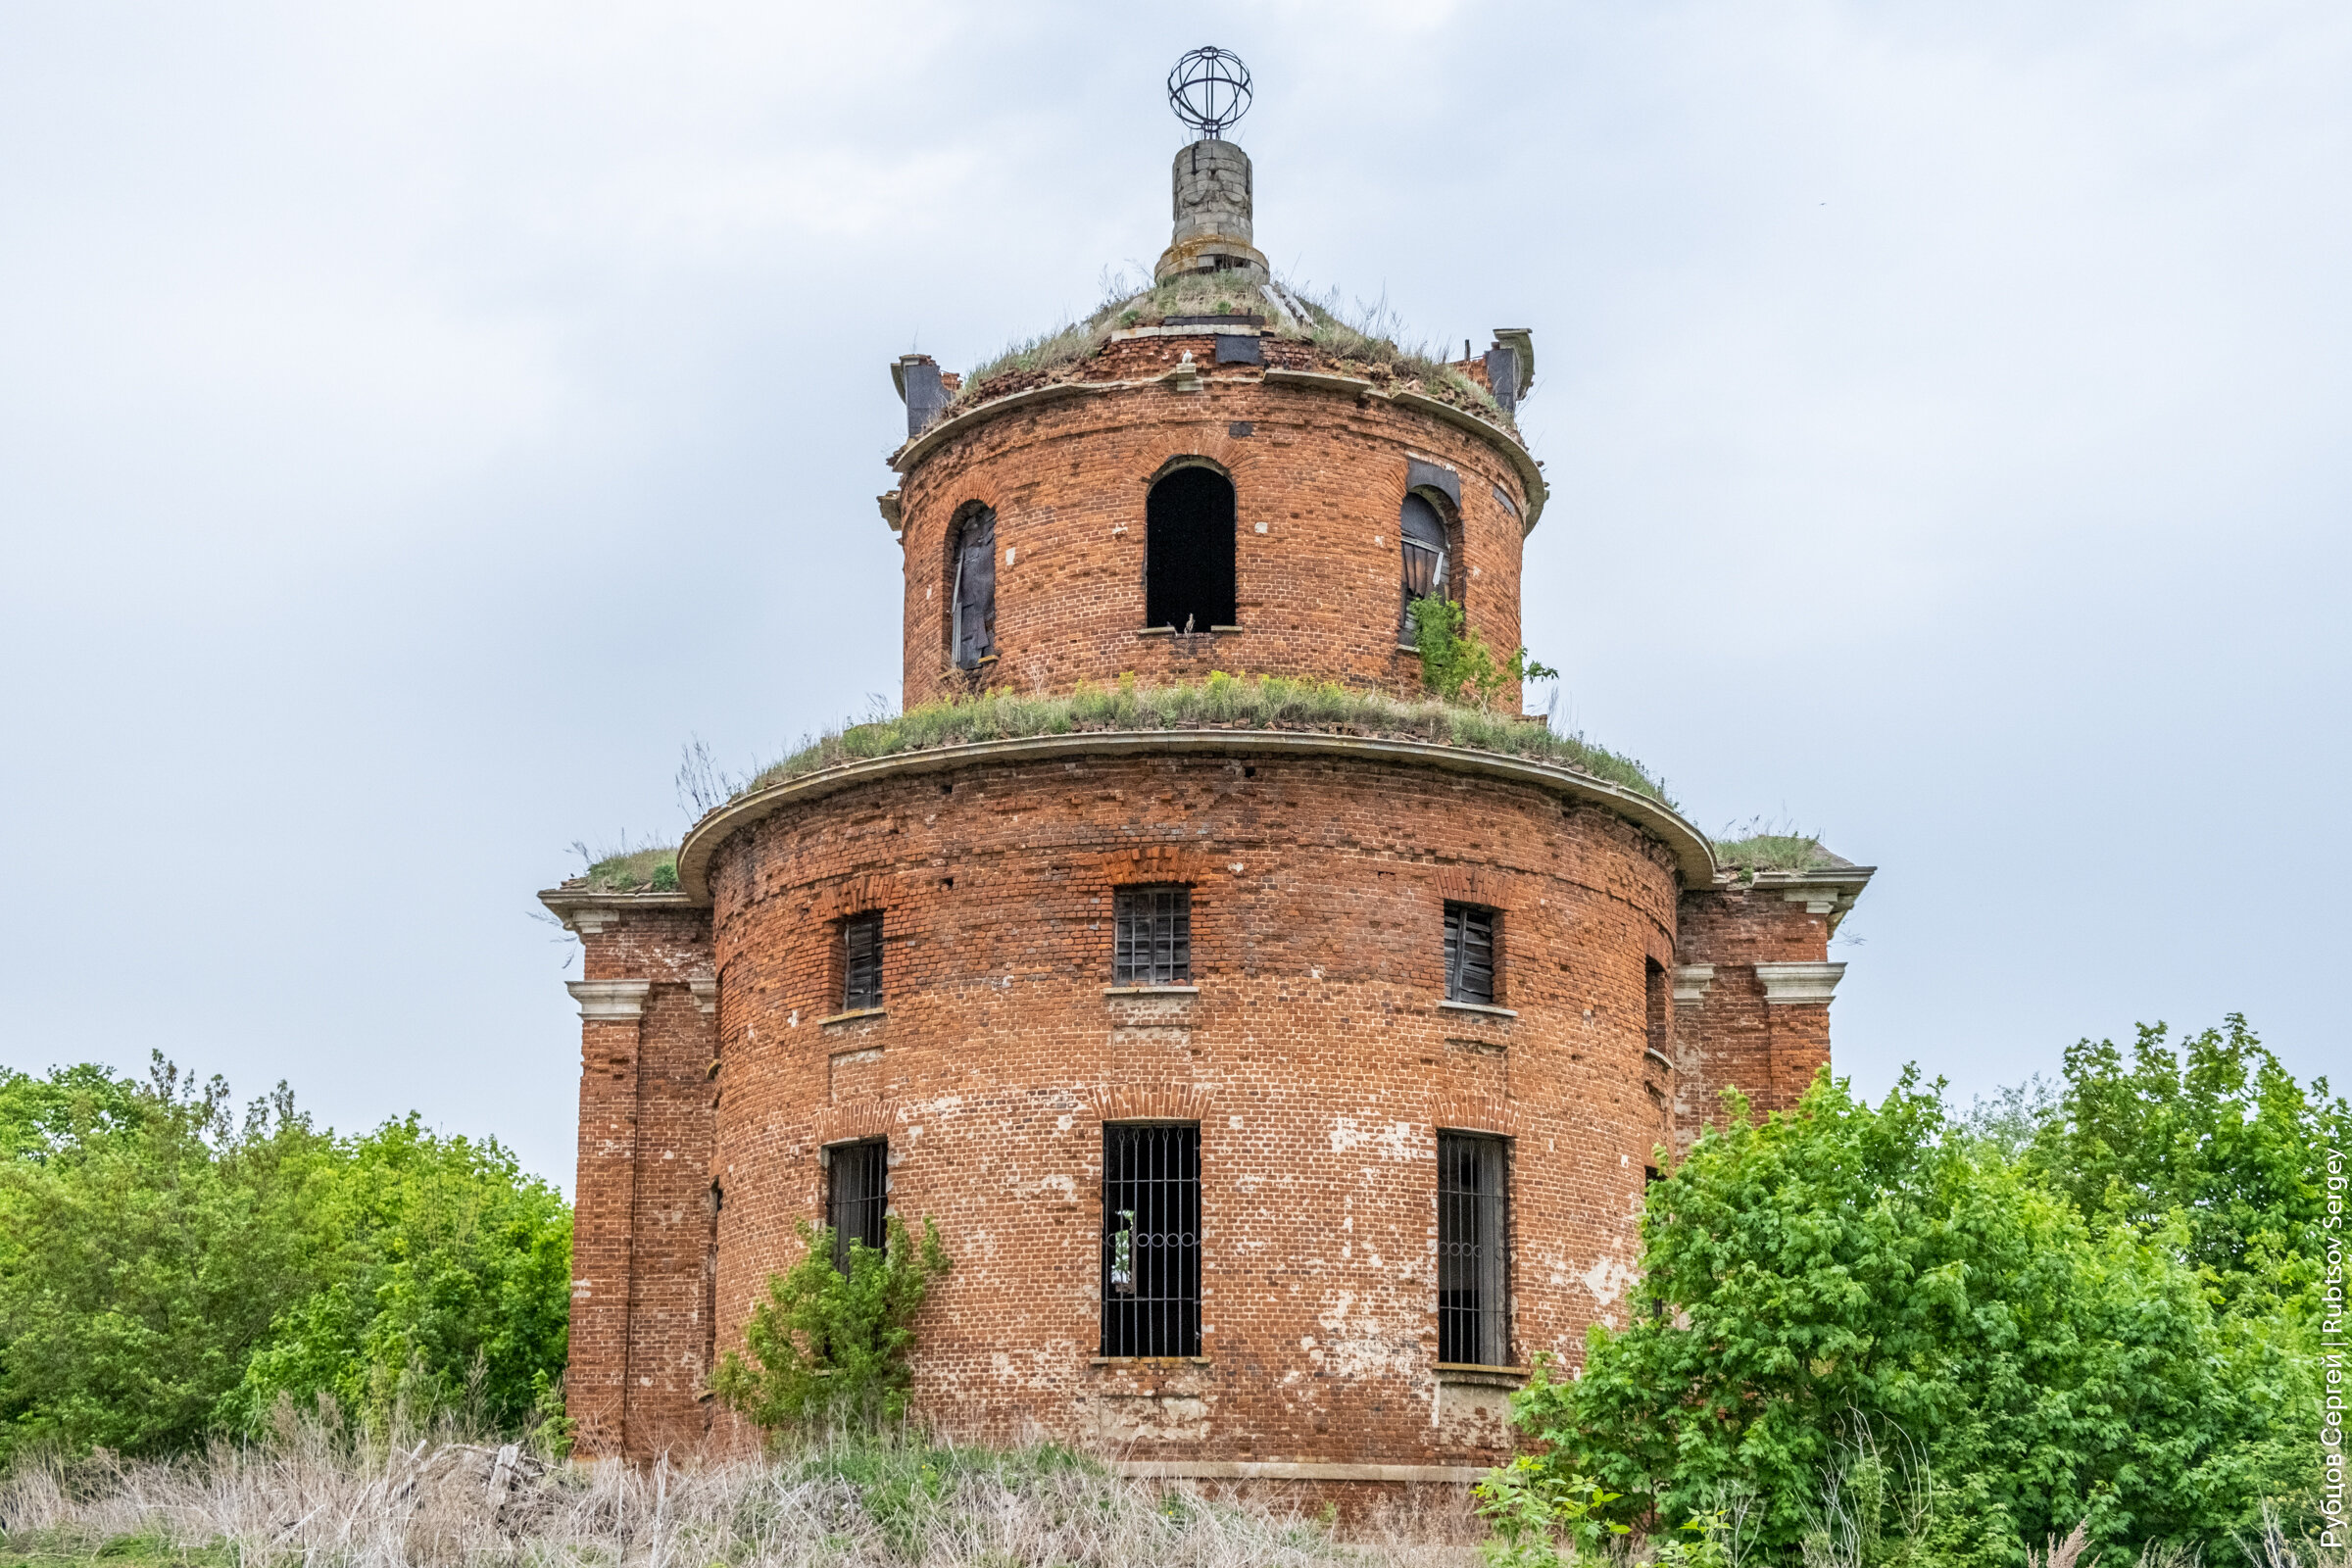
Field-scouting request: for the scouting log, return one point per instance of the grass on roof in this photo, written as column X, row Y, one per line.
column 1367, row 336
column 1774, row 851
column 654, row 869
column 1222, row 701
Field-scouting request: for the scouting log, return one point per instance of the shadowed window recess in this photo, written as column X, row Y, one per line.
column 861, row 962
column 1474, row 1326
column 1154, row 940
column 1150, row 1239
column 972, row 593
column 1469, row 954
column 1421, row 530
column 1187, row 552
column 856, row 1197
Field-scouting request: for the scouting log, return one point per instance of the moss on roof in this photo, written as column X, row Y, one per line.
column 1222, row 701
column 1366, row 346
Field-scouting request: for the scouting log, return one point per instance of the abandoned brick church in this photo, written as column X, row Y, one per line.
column 1278, row 1090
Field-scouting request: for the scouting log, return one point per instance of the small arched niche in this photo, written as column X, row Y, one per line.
column 1187, row 550
column 972, row 586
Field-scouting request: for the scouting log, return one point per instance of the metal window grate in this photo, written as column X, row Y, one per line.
column 1150, row 1239
column 858, row 1197
column 861, row 962
column 1154, row 943
column 1473, row 1231
column 1469, row 954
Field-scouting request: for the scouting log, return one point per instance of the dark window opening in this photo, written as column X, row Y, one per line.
column 1187, row 552
column 972, row 598
column 1473, row 1231
column 1153, row 942
column 861, row 962
column 1421, row 531
column 858, row 1197
column 1654, row 993
column 1469, row 954
column 1150, row 1239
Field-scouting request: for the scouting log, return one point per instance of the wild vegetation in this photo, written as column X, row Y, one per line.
column 1222, row 701
column 1885, row 1335
column 170, row 1269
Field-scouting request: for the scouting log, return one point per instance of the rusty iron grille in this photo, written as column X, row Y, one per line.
column 1150, row 1239
column 858, row 1195
column 1473, row 1225
column 1155, row 946
column 1469, row 954
column 861, row 962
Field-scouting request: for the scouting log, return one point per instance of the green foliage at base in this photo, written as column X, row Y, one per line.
column 1845, row 1270
column 1457, row 666
column 828, row 1350
column 169, row 1268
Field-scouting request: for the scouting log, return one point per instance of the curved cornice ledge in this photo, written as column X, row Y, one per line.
column 1694, row 857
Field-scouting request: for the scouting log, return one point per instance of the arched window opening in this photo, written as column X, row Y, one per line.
column 1187, row 552
column 1421, row 528
column 972, row 630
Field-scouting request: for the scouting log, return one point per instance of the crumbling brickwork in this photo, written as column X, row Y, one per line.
column 1318, row 477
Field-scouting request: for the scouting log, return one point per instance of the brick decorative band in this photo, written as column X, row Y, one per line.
column 1444, row 1475
column 1149, row 1102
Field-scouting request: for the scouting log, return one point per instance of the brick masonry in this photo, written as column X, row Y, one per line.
column 1316, row 1054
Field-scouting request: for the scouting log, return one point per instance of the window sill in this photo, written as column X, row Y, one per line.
column 1493, row 1377
column 1150, row 991
column 1147, row 1361
column 1171, row 631
column 1413, row 649
column 1483, row 1008
column 850, row 1016
column 1659, row 1056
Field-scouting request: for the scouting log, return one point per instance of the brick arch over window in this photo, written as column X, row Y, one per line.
column 1189, row 579
column 971, row 573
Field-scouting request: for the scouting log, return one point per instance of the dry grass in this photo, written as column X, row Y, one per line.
column 315, row 1499
column 652, row 868
column 1223, row 702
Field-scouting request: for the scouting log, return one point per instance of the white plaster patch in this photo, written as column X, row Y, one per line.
column 1607, row 1279
column 1392, row 1142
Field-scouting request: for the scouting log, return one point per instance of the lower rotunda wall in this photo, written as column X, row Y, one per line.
column 1316, row 1055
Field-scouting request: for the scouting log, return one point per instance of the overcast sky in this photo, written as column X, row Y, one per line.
column 417, row 421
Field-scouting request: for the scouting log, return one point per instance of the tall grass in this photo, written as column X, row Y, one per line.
column 1222, row 701
column 317, row 1498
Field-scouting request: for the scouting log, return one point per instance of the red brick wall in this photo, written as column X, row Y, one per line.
column 1315, row 1058
column 1321, row 474
column 642, row 1237
column 1769, row 1050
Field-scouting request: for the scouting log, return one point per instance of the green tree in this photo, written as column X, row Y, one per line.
column 445, row 1284
column 147, row 1240
column 1842, row 1266
column 829, row 1349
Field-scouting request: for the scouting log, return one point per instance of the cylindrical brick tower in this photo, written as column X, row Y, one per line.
column 1278, row 1093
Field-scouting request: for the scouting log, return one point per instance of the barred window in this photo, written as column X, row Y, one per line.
column 1154, row 937
column 1469, row 954
column 861, row 962
column 856, row 1197
column 1150, row 1239
column 1473, row 1229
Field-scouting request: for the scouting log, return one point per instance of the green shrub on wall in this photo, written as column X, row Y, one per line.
column 828, row 1350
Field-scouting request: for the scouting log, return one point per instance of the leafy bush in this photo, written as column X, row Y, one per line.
column 1840, row 1264
column 167, row 1268
column 1457, row 664
column 831, row 1348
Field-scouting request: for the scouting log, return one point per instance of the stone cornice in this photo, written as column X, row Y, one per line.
column 1797, row 984
column 585, row 914
column 610, row 1001
column 1513, row 451
column 1690, row 982
column 1448, row 1475
column 1693, row 856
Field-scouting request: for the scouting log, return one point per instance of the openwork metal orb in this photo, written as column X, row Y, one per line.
column 1209, row 89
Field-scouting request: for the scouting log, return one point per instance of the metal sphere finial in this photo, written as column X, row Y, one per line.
column 1209, row 89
